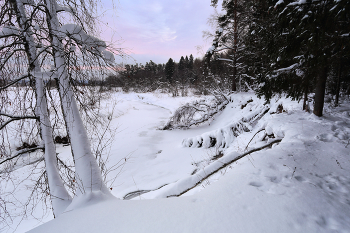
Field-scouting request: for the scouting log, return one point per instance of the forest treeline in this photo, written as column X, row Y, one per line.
column 174, row 77
column 272, row 47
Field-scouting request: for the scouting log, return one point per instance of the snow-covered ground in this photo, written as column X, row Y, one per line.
column 300, row 184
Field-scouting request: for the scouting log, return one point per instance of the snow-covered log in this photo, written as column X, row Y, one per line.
column 223, row 137
column 185, row 184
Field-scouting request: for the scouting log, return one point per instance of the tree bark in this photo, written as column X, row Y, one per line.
column 320, row 92
column 88, row 174
column 235, row 45
column 337, row 91
column 306, row 92
column 59, row 196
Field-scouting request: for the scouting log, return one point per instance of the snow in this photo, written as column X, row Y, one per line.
column 298, row 185
column 211, row 49
column 299, row 2
column 60, row 8
column 46, row 75
column 29, row 2
column 109, row 56
column 288, row 68
column 89, row 42
column 279, row 2
column 305, row 17
column 9, row 31
column 77, row 32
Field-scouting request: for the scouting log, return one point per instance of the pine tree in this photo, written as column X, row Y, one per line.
column 169, row 70
column 182, row 64
column 229, row 37
column 186, row 62
column 190, row 62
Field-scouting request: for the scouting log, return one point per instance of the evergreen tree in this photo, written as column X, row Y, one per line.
column 186, row 62
column 182, row 64
column 169, row 70
column 190, row 62
column 312, row 43
column 293, row 46
column 229, row 37
column 260, row 47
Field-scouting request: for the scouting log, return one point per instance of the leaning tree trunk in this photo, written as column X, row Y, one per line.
column 320, row 92
column 87, row 171
column 59, row 196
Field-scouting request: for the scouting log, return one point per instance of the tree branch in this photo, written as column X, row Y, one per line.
column 15, row 81
column 21, row 152
column 15, row 118
column 8, row 57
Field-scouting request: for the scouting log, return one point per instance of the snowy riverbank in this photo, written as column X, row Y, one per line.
column 301, row 184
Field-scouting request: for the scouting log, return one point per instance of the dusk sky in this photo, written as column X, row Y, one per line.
column 157, row 29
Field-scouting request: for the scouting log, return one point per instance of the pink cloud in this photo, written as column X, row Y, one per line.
column 159, row 29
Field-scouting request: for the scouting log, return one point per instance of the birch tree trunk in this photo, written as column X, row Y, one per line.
column 87, row 172
column 59, row 196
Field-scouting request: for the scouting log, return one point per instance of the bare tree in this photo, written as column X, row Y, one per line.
column 87, row 171
column 59, row 195
column 53, row 50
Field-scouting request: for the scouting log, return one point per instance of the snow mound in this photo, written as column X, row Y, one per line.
column 223, row 137
column 88, row 199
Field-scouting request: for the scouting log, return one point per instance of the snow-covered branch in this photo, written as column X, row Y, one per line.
column 68, row 9
column 195, row 114
column 225, row 59
column 287, row 69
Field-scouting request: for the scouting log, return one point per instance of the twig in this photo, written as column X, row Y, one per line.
column 15, row 81
column 136, row 187
column 15, row 118
column 252, row 138
column 295, row 168
column 22, row 152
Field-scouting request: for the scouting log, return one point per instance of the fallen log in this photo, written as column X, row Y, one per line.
column 201, row 179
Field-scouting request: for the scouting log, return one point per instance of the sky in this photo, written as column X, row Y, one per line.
column 156, row 29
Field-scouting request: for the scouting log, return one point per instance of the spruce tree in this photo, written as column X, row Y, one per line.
column 169, row 70
column 312, row 42
column 182, row 64
column 293, row 46
column 190, row 62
